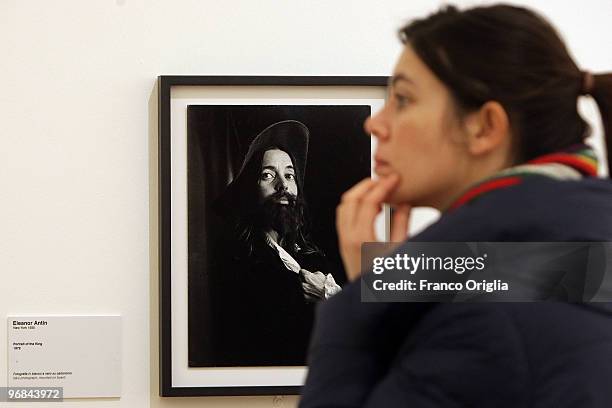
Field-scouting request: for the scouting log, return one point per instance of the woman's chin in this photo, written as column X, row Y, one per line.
column 397, row 198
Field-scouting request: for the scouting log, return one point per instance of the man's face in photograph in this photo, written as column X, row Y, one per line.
column 277, row 177
column 278, row 192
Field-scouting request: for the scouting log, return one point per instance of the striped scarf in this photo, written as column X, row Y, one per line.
column 574, row 163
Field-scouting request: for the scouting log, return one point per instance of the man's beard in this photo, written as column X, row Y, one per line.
column 285, row 219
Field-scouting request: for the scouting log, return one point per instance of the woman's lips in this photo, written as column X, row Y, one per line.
column 380, row 166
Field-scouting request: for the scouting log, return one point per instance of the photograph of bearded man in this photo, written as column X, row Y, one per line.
column 279, row 271
column 265, row 260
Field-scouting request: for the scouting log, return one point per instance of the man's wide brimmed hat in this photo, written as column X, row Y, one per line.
column 291, row 136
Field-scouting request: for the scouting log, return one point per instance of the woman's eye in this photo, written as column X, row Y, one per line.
column 401, row 101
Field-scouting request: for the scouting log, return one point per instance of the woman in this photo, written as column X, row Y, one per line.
column 481, row 122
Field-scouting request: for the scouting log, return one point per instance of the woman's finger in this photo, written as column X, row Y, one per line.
column 377, row 194
column 355, row 217
column 357, row 190
column 356, row 212
column 373, row 199
column 349, row 204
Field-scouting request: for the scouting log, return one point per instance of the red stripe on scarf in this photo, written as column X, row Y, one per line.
column 571, row 160
column 484, row 188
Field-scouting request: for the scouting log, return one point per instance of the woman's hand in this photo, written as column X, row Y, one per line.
column 355, row 219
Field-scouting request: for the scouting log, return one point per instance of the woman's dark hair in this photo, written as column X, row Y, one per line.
column 513, row 56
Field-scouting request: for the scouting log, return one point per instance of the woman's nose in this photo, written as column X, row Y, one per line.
column 375, row 126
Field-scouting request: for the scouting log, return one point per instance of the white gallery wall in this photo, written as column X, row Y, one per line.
column 78, row 106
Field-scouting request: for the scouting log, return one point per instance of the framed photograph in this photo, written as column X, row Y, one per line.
column 251, row 170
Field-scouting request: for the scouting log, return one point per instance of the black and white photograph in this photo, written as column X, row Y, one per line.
column 263, row 185
column 251, row 172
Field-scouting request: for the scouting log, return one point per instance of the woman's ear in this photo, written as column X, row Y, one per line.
column 488, row 128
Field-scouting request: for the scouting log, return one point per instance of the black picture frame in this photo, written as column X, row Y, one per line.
column 166, row 86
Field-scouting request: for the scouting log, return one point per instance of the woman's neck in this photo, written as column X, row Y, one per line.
column 473, row 175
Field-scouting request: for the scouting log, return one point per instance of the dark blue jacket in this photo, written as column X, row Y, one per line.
column 475, row 355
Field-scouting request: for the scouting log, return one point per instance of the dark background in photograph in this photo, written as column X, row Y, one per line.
column 218, row 138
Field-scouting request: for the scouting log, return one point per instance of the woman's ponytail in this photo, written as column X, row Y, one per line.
column 602, row 93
